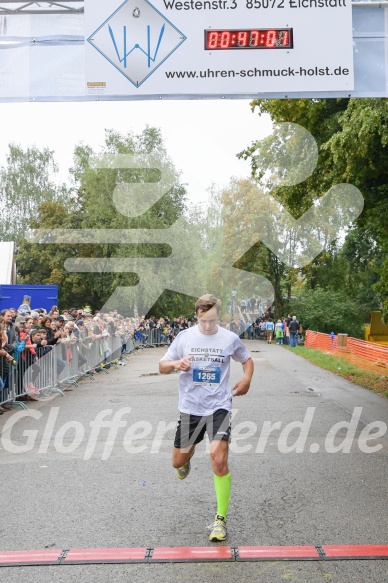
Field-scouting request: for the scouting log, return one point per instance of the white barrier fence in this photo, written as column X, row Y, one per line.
column 62, row 365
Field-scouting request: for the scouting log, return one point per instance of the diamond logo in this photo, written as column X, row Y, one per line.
column 136, row 39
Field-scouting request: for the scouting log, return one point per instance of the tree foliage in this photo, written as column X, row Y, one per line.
column 94, row 207
column 25, row 183
column 247, row 220
column 328, row 310
column 352, row 137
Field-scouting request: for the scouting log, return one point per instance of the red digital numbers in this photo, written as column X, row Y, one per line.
column 249, row 39
column 242, row 37
column 255, row 38
column 284, row 38
column 271, row 38
column 212, row 40
column 225, row 39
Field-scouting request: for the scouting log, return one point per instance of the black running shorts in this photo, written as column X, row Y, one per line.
column 191, row 429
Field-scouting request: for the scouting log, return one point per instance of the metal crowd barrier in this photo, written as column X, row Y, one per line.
column 111, row 346
column 7, row 385
column 65, row 363
column 27, row 377
column 155, row 337
column 62, row 365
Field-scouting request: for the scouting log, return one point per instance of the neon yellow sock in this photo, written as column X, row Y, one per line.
column 222, row 485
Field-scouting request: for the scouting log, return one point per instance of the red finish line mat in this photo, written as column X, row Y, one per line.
column 356, row 551
column 121, row 555
column 277, row 553
column 191, row 554
column 23, row 558
column 215, row 553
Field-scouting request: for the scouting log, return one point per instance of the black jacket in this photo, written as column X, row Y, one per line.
column 12, row 339
column 294, row 326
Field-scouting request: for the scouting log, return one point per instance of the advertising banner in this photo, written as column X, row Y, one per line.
column 217, row 47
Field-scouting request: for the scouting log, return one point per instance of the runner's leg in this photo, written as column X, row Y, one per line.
column 219, row 431
column 180, row 455
column 190, row 431
column 222, row 479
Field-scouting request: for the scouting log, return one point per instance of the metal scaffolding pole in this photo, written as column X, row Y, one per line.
column 15, row 7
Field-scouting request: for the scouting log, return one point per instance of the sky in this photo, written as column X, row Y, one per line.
column 202, row 137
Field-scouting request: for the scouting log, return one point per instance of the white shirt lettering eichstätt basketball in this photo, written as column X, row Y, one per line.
column 205, row 387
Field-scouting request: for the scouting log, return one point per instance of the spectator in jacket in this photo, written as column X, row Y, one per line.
column 25, row 308
column 29, row 368
column 294, row 330
column 279, row 333
column 53, row 337
column 14, row 314
column 10, row 332
column 5, row 362
column 269, row 326
column 80, row 333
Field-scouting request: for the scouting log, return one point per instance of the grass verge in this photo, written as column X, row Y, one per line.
column 365, row 378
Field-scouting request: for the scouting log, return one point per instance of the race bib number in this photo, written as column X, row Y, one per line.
column 210, row 376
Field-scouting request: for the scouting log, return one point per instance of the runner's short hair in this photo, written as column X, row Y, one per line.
column 207, row 302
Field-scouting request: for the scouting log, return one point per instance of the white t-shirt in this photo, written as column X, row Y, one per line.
column 205, row 387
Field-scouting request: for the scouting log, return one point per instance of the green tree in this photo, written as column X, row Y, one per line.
column 328, row 310
column 96, row 179
column 246, row 221
column 208, row 239
column 360, row 155
column 352, row 137
column 44, row 263
column 26, row 181
column 97, row 186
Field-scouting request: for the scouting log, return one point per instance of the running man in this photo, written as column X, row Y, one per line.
column 202, row 354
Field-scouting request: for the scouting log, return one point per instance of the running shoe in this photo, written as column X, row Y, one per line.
column 218, row 529
column 184, row 470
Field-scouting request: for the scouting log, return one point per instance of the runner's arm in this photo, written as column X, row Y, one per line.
column 167, row 366
column 242, row 386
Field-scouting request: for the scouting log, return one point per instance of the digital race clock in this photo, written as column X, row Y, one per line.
column 254, row 38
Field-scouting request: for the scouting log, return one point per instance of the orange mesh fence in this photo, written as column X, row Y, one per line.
column 367, row 355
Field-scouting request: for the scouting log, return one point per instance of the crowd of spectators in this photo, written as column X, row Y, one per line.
column 285, row 330
column 27, row 335
column 254, row 318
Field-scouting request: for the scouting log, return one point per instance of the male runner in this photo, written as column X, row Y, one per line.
column 202, row 353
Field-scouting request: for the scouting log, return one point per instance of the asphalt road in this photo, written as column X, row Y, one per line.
column 67, row 484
